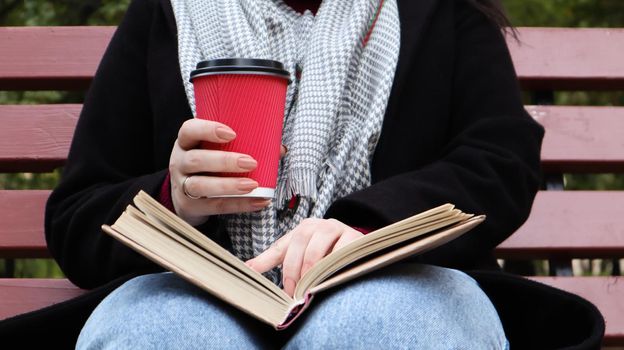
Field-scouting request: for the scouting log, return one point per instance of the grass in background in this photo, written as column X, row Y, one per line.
column 31, row 181
column 31, row 268
column 596, row 182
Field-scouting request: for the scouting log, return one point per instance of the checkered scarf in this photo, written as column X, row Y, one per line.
column 347, row 56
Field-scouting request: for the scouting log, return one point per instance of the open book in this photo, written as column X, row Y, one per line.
column 154, row 231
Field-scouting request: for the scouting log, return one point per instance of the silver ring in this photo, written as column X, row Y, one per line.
column 186, row 193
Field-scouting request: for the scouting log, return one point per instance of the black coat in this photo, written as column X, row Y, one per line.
column 455, row 131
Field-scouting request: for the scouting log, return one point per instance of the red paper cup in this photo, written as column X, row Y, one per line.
column 249, row 96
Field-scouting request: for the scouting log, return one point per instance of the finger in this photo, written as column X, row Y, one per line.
column 215, row 206
column 319, row 246
column 293, row 260
column 271, row 257
column 193, row 131
column 200, row 161
column 211, row 186
column 283, row 151
column 347, row 237
column 291, row 267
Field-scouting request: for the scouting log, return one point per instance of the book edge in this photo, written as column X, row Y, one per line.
column 446, row 235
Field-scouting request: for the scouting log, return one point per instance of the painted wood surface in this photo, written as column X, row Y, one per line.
column 36, row 138
column 36, row 58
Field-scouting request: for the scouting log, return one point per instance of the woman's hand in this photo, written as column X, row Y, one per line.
column 301, row 248
column 188, row 161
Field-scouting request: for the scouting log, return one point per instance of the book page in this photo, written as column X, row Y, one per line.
column 181, row 260
column 161, row 215
column 267, row 288
column 388, row 236
column 160, row 235
column 417, row 247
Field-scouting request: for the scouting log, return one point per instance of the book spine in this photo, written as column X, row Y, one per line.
column 295, row 311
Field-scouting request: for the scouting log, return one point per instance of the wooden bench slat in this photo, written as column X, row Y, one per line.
column 21, row 227
column 20, row 295
column 581, row 139
column 573, row 224
column 40, row 58
column 570, row 224
column 36, row 138
column 51, row 58
column 569, row 58
column 607, row 293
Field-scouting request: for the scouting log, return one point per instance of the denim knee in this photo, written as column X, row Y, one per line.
column 404, row 306
column 161, row 311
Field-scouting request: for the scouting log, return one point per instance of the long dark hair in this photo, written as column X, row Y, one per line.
column 494, row 10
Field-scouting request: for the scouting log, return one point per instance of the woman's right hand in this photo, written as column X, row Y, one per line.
column 189, row 161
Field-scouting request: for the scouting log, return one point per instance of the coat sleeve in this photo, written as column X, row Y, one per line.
column 490, row 164
column 110, row 160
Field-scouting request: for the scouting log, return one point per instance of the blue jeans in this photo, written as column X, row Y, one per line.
column 401, row 306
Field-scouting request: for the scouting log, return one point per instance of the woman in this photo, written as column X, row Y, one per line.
column 425, row 100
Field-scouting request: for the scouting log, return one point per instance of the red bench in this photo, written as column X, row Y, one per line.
column 562, row 226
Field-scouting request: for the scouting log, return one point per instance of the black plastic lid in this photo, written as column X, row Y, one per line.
column 240, row 66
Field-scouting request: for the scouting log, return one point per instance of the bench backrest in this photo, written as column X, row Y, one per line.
column 36, row 138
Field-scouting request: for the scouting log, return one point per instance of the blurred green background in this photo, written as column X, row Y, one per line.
column 553, row 13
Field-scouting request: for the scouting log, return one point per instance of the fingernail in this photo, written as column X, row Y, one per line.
column 225, row 134
column 260, row 203
column 247, row 163
column 289, row 285
column 247, row 185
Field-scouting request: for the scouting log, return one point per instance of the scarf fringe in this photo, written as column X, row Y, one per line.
column 299, row 182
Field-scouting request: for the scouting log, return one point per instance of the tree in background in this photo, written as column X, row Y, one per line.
column 552, row 13
column 64, row 12
column 566, row 13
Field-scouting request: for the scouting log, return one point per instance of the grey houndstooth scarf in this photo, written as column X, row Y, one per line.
column 347, row 56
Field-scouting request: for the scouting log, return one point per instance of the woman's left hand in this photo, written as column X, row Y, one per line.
column 298, row 250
